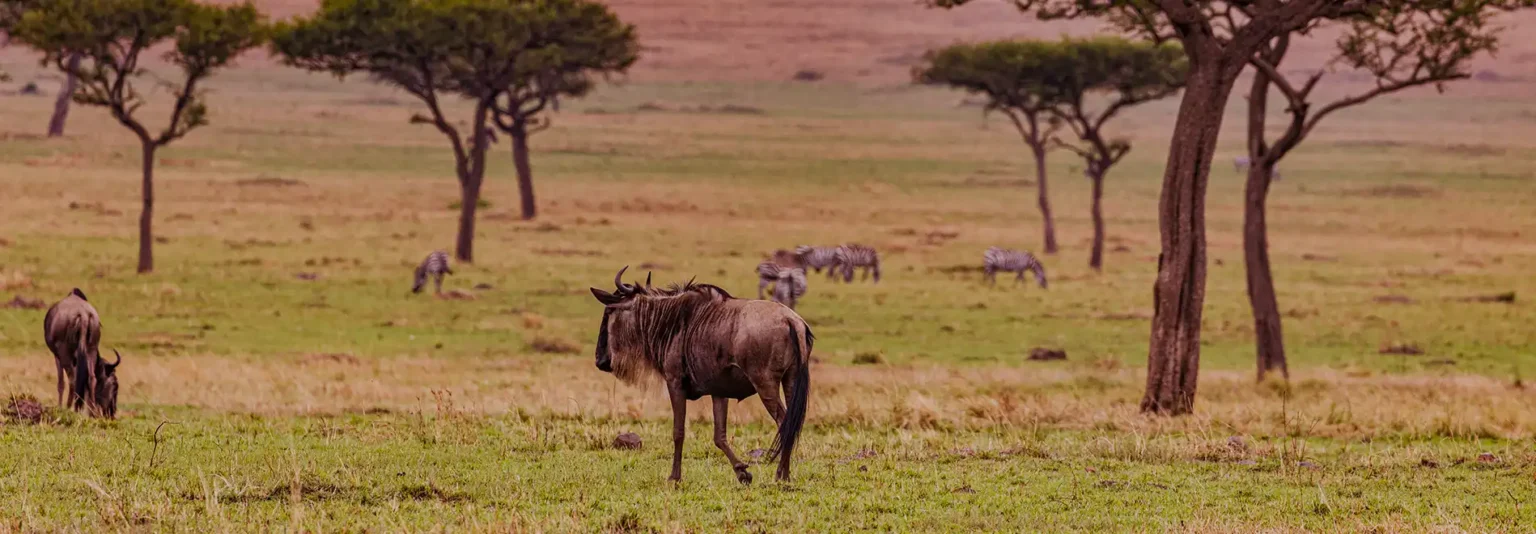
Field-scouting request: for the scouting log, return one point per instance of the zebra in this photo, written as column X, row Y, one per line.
column 435, row 266
column 855, row 256
column 1241, row 163
column 818, row 258
column 790, row 286
column 1008, row 260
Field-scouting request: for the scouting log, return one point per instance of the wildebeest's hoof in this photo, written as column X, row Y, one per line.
column 743, row 476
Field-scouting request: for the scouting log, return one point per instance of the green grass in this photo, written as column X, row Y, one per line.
column 344, row 403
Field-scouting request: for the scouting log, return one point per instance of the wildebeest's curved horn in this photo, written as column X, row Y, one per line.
column 618, row 279
column 119, row 359
column 647, row 279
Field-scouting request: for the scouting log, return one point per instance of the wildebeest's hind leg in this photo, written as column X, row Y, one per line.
column 722, row 408
column 59, row 366
column 679, row 422
column 768, row 389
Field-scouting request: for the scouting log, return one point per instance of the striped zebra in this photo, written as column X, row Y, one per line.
column 790, row 286
column 435, row 266
column 1011, row 261
column 818, row 258
column 855, row 256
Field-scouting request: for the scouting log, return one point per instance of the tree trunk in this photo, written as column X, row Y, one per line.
column 1173, row 357
column 147, row 214
column 1096, row 258
column 519, row 135
column 470, row 199
column 66, row 95
column 1044, row 200
column 1261, row 282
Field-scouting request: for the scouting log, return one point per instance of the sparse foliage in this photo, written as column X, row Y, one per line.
column 477, row 50
column 1402, row 45
column 1016, row 80
column 102, row 43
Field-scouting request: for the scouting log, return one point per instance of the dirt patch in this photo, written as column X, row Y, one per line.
column 1132, row 316
column 1041, row 354
column 1395, row 191
column 96, row 207
column 1403, row 349
column 552, row 345
column 958, row 269
column 939, row 237
column 1503, row 298
column 1393, row 299
column 270, row 181
column 726, row 109
column 640, row 205
column 457, row 295
column 1318, row 257
column 330, row 357
column 980, row 182
column 24, row 303
column 567, row 252
column 310, row 277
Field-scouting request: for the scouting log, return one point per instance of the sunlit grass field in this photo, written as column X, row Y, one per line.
column 303, row 387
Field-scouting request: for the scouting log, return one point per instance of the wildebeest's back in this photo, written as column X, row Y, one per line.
column 64, row 325
column 747, row 334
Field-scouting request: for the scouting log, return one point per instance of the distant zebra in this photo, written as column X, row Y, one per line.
column 818, row 258
column 855, row 256
column 1011, row 261
column 435, row 266
column 1241, row 163
column 790, row 287
column 769, row 270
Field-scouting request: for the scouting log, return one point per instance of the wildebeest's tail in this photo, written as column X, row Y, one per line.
column 799, row 399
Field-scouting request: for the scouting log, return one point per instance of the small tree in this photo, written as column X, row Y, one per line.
column 1402, row 45
column 1015, row 80
column 1219, row 39
column 600, row 45
column 432, row 49
column 110, row 37
column 1129, row 73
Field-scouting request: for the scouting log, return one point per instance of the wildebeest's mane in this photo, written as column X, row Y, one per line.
column 663, row 318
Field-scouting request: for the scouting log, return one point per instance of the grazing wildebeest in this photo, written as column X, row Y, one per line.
column 72, row 330
column 702, row 341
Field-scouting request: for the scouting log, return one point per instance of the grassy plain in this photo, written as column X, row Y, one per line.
column 342, row 403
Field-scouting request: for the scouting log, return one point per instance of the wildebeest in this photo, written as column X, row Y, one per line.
column 702, row 341
column 72, row 330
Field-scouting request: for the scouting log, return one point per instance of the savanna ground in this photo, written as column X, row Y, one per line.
column 294, row 383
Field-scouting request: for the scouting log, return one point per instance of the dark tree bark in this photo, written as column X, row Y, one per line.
column 469, row 198
column 1268, row 339
column 1044, row 199
column 519, row 135
column 66, row 96
column 147, row 212
column 1173, row 357
column 471, row 170
column 1096, row 258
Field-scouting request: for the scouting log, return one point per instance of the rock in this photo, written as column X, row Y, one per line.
column 307, row 276
column 627, row 441
column 23, row 409
column 1044, row 354
column 1487, row 458
column 1406, row 349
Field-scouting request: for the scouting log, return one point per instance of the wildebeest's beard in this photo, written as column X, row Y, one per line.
column 604, row 358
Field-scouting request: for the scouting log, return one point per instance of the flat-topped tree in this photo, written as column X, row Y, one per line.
column 1096, row 80
column 110, row 38
column 1014, row 78
column 1402, row 45
column 437, row 49
column 595, row 43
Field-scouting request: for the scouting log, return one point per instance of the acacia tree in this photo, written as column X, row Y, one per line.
column 1013, row 76
column 1219, row 38
column 1402, row 45
column 436, row 49
column 110, row 38
column 10, row 14
column 1130, row 73
column 599, row 44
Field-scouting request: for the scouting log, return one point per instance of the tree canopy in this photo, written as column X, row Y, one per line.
column 478, row 50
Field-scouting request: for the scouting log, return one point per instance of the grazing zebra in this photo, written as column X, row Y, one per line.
column 790, row 286
column 435, row 266
column 818, row 258
column 1241, row 163
column 855, row 256
column 1011, row 261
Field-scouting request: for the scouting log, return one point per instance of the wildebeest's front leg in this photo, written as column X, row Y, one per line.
column 679, row 422
column 722, row 408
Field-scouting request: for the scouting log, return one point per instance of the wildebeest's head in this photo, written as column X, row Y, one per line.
column 637, row 317
column 106, row 386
